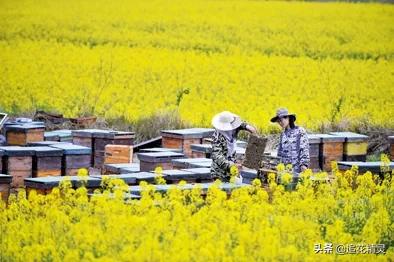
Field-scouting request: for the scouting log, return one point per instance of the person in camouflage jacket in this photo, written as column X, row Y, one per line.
column 227, row 126
column 293, row 145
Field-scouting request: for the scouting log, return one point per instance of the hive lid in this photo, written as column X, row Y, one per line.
column 160, row 149
column 191, row 160
column 5, row 179
column 201, row 173
column 46, row 151
column 71, row 149
column 17, row 151
column 200, row 165
column 350, row 136
column 45, row 143
column 110, row 134
column 54, row 181
column 127, row 178
column 374, row 167
column 189, row 132
column 23, row 128
column 159, row 156
column 116, row 168
column 330, row 138
column 205, row 148
column 178, row 174
column 88, row 132
column 248, row 173
column 314, row 139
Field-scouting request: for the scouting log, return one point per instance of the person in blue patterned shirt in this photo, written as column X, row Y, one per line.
column 293, row 145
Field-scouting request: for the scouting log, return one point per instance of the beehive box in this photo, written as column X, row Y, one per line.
column 254, row 154
column 85, row 137
column 5, row 186
column 182, row 163
column 201, row 150
column 46, row 143
column 63, row 135
column 248, row 175
column 148, row 177
column 331, row 149
column 18, row 163
column 103, row 139
column 21, row 135
column 118, row 154
column 47, row 161
column 129, row 179
column 314, row 151
column 149, row 161
column 174, row 176
column 184, row 138
column 204, row 187
column 203, row 164
column 391, row 141
column 203, row 174
column 45, row 185
column 74, row 158
column 121, row 168
column 160, row 149
column 363, row 167
column 355, row 146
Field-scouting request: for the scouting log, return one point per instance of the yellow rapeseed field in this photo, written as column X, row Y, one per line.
column 251, row 225
column 132, row 59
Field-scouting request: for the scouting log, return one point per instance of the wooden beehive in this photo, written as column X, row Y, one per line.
column 18, row 163
column 175, row 176
column 391, row 140
column 182, row 163
column 184, row 138
column 248, row 175
column 129, row 178
column 201, row 150
column 47, row 161
column 118, row 154
column 160, row 149
column 5, row 186
column 314, row 151
column 74, row 158
column 355, row 146
column 63, row 135
column 44, row 185
column 103, row 139
column 149, row 161
column 202, row 174
column 363, row 167
column 331, row 149
column 21, row 135
column 121, row 168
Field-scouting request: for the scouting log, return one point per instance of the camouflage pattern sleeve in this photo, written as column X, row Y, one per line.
column 219, row 149
column 304, row 148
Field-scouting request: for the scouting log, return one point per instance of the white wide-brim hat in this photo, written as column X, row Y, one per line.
column 226, row 121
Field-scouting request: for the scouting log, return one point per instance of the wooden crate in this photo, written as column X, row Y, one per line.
column 109, row 138
column 47, row 161
column 391, row 148
column 18, row 163
column 21, row 135
column 5, row 186
column 149, row 161
column 118, row 154
column 331, row 149
column 184, row 138
column 74, row 158
column 355, row 146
